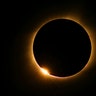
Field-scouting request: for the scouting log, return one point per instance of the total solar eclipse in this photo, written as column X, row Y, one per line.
column 62, row 46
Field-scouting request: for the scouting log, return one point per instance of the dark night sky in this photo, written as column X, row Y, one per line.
column 20, row 76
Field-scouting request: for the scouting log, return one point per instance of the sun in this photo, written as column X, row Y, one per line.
column 44, row 71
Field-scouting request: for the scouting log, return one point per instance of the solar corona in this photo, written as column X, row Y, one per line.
column 69, row 75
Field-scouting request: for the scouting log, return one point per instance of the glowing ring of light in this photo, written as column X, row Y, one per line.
column 90, row 37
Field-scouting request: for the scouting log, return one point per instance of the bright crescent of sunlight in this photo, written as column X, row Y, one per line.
column 44, row 71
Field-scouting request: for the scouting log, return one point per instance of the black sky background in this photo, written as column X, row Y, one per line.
column 22, row 19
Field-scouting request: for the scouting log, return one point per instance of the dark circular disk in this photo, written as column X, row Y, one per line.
column 62, row 46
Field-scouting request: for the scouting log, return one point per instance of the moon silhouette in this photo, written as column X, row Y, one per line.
column 62, row 46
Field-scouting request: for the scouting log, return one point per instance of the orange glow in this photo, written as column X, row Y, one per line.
column 77, row 19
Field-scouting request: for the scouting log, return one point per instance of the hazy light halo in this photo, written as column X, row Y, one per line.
column 85, row 28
